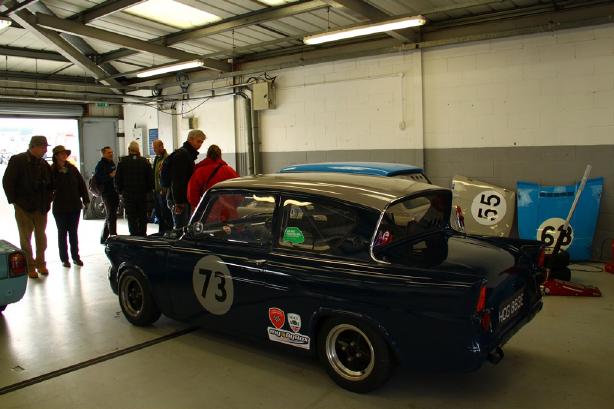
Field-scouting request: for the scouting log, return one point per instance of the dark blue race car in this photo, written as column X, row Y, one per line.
column 362, row 271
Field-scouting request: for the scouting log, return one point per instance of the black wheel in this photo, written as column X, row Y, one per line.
column 356, row 356
column 136, row 300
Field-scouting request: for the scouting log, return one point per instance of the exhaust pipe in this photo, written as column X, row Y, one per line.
column 495, row 356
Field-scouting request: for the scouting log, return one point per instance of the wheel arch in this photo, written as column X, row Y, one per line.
column 324, row 314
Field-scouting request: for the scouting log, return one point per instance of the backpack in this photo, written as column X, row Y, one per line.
column 166, row 176
column 94, row 188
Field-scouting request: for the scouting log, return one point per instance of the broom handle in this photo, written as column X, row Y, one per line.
column 557, row 246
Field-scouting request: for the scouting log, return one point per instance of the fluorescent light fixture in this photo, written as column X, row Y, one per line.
column 357, row 31
column 5, row 23
column 170, row 68
column 172, row 13
column 274, row 2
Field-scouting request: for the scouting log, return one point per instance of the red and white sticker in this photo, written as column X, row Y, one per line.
column 277, row 317
column 294, row 320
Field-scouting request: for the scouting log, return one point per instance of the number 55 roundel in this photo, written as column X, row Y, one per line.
column 213, row 285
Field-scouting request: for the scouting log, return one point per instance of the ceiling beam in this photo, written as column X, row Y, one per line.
column 248, row 19
column 103, row 9
column 374, row 14
column 66, row 26
column 61, row 80
column 29, row 53
column 24, row 17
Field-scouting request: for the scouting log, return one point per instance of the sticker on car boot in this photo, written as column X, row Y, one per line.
column 213, row 285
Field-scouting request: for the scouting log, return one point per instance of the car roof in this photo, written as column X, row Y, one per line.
column 362, row 168
column 371, row 191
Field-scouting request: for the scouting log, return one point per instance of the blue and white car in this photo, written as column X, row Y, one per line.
column 398, row 170
column 13, row 274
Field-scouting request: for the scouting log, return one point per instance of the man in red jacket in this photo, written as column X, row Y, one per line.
column 207, row 173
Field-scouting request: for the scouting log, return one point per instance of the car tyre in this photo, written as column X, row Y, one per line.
column 136, row 300
column 355, row 355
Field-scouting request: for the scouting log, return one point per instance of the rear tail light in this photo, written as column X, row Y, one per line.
column 481, row 305
column 17, row 264
column 482, row 312
column 541, row 258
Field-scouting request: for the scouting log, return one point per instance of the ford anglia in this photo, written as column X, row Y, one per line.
column 361, row 271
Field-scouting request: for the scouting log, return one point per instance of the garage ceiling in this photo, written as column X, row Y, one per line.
column 91, row 50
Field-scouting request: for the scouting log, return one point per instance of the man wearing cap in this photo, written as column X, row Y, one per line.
column 28, row 186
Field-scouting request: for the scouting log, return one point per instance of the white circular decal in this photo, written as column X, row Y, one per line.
column 213, row 285
column 488, row 207
column 550, row 230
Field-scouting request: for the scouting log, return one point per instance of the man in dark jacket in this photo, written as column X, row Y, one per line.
column 27, row 184
column 165, row 218
column 134, row 181
column 182, row 168
column 104, row 174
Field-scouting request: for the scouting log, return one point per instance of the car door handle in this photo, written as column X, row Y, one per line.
column 259, row 263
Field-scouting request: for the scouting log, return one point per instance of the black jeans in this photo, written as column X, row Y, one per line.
column 136, row 212
column 111, row 202
column 68, row 223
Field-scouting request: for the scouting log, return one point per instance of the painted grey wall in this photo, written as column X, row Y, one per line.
column 547, row 165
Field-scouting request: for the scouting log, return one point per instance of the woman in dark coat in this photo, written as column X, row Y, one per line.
column 69, row 198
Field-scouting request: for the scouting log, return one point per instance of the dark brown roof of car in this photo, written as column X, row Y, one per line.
column 371, row 191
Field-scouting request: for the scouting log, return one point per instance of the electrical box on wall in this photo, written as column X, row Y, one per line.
column 189, row 123
column 136, row 134
column 263, row 95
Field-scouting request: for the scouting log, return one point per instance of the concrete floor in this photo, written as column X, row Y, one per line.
column 563, row 359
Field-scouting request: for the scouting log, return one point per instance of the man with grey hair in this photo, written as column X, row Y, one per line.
column 182, row 167
column 165, row 218
column 134, row 181
column 27, row 184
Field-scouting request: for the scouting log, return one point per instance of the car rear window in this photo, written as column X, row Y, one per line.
column 412, row 217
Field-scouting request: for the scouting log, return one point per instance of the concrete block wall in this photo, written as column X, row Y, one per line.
column 536, row 107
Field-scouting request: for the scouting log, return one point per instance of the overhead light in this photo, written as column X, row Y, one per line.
column 172, row 13
column 363, row 30
column 170, row 68
column 5, row 22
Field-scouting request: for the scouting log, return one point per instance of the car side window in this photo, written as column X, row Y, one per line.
column 325, row 228
column 240, row 216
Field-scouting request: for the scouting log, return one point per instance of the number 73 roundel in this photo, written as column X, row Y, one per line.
column 212, row 284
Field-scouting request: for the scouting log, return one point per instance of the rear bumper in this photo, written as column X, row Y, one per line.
column 484, row 349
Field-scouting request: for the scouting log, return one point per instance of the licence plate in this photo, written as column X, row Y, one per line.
column 511, row 307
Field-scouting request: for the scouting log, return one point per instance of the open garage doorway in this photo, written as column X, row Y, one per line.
column 15, row 134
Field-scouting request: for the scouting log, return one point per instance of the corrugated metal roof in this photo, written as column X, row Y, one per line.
column 248, row 34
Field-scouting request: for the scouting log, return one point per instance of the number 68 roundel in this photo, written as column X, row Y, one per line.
column 212, row 284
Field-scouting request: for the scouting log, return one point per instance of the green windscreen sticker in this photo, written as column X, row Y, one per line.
column 294, row 235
